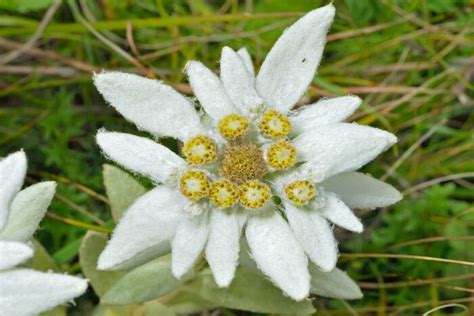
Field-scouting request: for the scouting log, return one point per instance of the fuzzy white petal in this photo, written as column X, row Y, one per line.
column 340, row 147
column 27, row 211
column 12, row 175
column 141, row 155
column 13, row 253
column 238, row 81
column 28, row 292
column 291, row 64
column 314, row 234
column 209, row 90
column 359, row 190
column 222, row 249
column 150, row 104
column 336, row 284
column 324, row 112
column 145, row 230
column 245, row 55
column 338, row 213
column 278, row 255
column 188, row 243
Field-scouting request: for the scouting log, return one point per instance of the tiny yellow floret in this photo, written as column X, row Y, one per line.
column 194, row 184
column 254, row 194
column 241, row 163
column 274, row 124
column 301, row 192
column 224, row 193
column 281, row 155
column 233, row 126
column 200, row 150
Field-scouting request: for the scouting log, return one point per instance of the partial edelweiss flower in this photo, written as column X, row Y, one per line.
column 249, row 163
column 26, row 291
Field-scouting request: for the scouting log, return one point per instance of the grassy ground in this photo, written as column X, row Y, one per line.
column 411, row 62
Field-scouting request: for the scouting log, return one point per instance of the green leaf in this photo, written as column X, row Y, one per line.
column 91, row 247
column 6, row 20
column 457, row 228
column 328, row 86
column 149, row 281
column 24, row 6
column 151, row 308
column 69, row 251
column 187, row 302
column 41, row 260
column 57, row 311
column 249, row 291
column 113, row 310
column 27, row 210
column 335, row 284
column 154, row 308
column 122, row 189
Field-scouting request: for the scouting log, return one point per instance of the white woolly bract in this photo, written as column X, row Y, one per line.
column 335, row 284
column 222, row 249
column 150, row 104
column 338, row 213
column 13, row 253
column 278, row 255
column 245, row 55
column 12, row 175
column 144, row 231
column 238, row 81
column 314, row 235
column 359, row 190
column 28, row 292
column 323, row 112
column 341, row 147
column 188, row 243
column 291, row 64
column 141, row 155
column 27, row 210
column 209, row 90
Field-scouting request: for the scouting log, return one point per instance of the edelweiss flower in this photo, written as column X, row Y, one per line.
column 249, row 163
column 25, row 291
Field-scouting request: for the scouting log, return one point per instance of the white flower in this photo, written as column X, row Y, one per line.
column 25, row 291
column 250, row 163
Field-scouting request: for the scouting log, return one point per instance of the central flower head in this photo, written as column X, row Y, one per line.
column 242, row 162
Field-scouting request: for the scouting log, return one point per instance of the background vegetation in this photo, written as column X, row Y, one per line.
column 411, row 61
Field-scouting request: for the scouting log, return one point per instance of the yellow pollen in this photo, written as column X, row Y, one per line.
column 241, row 163
column 194, row 184
column 274, row 124
column 224, row 193
column 300, row 192
column 233, row 126
column 281, row 155
column 200, row 150
column 254, row 194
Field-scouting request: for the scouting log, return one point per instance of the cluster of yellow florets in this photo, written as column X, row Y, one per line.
column 281, row 155
column 300, row 192
column 254, row 194
column 195, row 185
column 224, row 193
column 233, row 126
column 274, row 124
column 242, row 164
column 200, row 150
